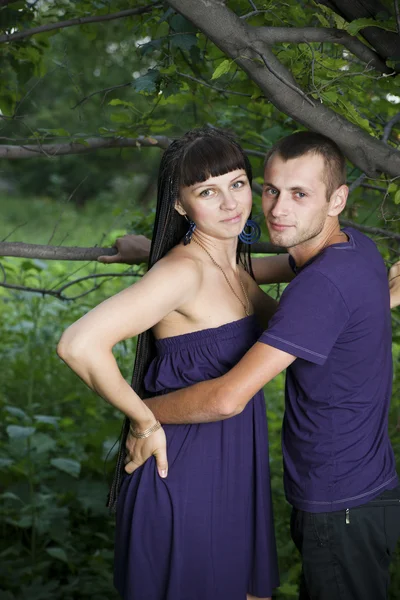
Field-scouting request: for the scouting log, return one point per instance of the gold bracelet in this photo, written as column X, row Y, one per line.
column 140, row 435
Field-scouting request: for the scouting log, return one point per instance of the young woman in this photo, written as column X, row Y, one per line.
column 204, row 530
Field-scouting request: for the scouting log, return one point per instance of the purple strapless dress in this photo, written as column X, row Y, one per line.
column 206, row 531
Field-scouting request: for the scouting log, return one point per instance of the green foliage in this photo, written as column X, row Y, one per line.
column 57, row 535
column 355, row 26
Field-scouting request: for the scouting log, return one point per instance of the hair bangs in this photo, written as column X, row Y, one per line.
column 210, row 157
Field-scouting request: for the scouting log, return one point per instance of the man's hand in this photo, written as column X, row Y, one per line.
column 138, row 451
column 394, row 285
column 132, row 250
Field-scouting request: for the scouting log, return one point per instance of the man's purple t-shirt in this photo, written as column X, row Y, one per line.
column 335, row 318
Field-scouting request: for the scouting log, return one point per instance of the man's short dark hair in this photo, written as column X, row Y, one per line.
column 307, row 142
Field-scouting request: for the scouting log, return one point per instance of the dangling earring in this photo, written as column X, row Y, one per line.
column 188, row 235
column 249, row 237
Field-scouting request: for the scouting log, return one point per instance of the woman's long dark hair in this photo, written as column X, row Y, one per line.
column 199, row 154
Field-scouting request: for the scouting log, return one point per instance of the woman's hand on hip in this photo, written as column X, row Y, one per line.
column 139, row 450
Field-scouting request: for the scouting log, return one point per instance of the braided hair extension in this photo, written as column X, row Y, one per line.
column 199, row 154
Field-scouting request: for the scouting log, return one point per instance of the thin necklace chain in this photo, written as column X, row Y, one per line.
column 245, row 306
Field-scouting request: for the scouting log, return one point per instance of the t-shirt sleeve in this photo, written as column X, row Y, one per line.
column 309, row 319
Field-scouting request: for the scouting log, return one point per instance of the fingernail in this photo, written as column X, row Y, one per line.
column 163, row 472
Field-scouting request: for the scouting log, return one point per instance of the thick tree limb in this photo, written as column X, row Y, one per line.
column 236, row 39
column 389, row 126
column 385, row 43
column 87, row 145
column 22, row 250
column 20, row 35
column 298, row 35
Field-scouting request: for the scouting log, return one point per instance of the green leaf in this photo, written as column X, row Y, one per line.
column 183, row 41
column 222, row 68
column 72, row 467
column 18, row 432
column 120, row 118
column 355, row 117
column 147, row 82
column 324, row 22
column 49, row 419
column 355, row 26
column 118, row 102
column 10, row 496
column 58, row 553
column 16, row 412
column 181, row 25
column 150, row 46
column 392, row 188
column 41, row 442
column 397, row 197
column 331, row 96
column 288, row 590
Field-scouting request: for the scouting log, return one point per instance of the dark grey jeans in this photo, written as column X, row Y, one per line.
column 346, row 554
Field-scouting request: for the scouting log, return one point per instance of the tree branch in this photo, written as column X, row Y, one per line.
column 237, row 40
column 104, row 90
column 213, row 87
column 22, row 250
column 389, row 126
column 20, row 35
column 87, row 145
column 396, row 8
column 298, row 35
column 58, row 293
column 371, row 230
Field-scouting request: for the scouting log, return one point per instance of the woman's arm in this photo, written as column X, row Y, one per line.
column 86, row 346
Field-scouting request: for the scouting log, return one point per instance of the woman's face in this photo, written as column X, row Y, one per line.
column 220, row 206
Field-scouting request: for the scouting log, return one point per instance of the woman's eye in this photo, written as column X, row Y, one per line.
column 205, row 193
column 238, row 184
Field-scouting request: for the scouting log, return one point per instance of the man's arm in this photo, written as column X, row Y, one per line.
column 225, row 396
column 394, row 285
column 272, row 269
column 135, row 249
column 131, row 250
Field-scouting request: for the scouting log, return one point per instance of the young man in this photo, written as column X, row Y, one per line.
column 332, row 332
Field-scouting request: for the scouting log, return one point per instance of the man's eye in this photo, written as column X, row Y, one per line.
column 271, row 191
column 300, row 194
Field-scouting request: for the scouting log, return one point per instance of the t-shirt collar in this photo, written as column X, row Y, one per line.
column 338, row 246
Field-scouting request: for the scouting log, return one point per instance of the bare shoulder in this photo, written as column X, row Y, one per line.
column 249, row 283
column 180, row 266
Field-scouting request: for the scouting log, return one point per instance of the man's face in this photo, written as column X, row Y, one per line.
column 294, row 199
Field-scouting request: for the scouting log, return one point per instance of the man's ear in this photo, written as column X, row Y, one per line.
column 338, row 200
column 179, row 208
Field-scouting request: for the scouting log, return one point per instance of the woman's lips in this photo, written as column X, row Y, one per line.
column 233, row 219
